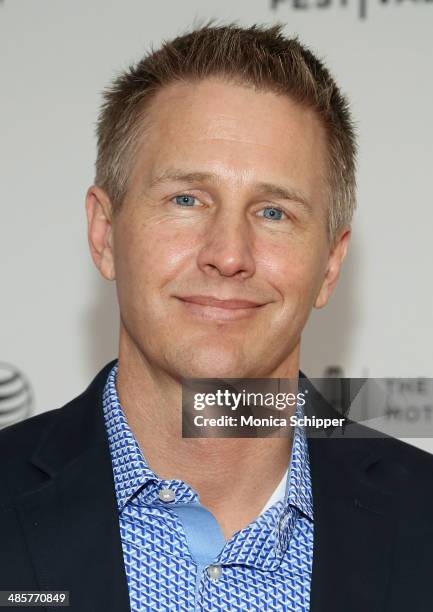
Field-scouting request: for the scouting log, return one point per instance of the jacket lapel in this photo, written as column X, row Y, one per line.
column 71, row 520
column 354, row 524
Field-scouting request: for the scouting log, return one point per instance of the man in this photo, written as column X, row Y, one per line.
column 222, row 205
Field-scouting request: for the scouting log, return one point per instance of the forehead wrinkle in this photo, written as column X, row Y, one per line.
column 236, row 139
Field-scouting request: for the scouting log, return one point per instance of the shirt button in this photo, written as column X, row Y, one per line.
column 214, row 571
column 167, row 495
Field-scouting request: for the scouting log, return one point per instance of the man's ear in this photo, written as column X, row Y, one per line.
column 336, row 257
column 100, row 231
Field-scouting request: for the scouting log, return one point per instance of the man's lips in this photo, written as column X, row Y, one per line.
column 215, row 309
column 232, row 304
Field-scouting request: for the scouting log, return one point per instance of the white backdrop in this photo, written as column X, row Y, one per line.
column 59, row 320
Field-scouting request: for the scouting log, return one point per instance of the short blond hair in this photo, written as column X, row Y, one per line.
column 257, row 56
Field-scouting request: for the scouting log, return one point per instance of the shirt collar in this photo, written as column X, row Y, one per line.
column 130, row 468
column 132, row 473
column 299, row 494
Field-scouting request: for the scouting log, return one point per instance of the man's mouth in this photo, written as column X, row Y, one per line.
column 214, row 308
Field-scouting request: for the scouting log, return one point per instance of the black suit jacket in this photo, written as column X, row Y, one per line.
column 373, row 516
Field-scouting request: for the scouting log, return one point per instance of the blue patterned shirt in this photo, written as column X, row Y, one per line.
column 176, row 557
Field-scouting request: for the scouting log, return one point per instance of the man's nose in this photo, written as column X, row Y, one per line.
column 227, row 247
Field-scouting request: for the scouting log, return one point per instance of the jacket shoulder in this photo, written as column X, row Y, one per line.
column 406, row 453
column 417, row 460
column 61, row 432
column 401, row 452
column 399, row 466
column 24, row 436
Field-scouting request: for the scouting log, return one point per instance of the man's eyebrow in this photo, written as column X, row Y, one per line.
column 283, row 193
column 264, row 188
column 172, row 175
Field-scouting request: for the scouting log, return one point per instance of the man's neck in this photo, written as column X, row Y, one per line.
column 234, row 477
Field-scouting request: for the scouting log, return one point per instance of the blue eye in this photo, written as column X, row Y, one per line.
column 185, row 200
column 272, row 213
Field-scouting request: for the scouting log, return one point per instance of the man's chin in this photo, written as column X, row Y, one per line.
column 215, row 364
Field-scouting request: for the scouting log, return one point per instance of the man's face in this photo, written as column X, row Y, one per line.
column 220, row 250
